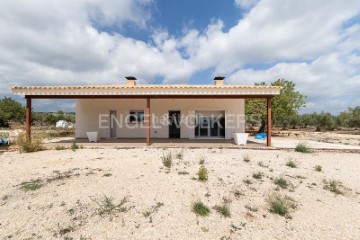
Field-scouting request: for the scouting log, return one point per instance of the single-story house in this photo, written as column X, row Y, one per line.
column 133, row 110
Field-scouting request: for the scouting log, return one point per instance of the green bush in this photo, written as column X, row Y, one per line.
column 333, row 186
column 281, row 182
column 27, row 147
column 167, row 160
column 200, row 209
column 291, row 163
column 318, row 168
column 303, row 148
column 202, row 173
column 59, row 148
column 224, row 210
column 281, row 205
column 74, row 146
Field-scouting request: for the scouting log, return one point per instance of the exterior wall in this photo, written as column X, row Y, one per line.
column 89, row 110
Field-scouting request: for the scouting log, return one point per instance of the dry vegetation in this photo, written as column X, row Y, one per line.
column 165, row 194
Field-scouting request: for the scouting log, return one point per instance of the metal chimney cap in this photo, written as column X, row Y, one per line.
column 130, row 78
column 219, row 78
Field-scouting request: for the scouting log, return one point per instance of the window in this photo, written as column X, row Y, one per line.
column 136, row 117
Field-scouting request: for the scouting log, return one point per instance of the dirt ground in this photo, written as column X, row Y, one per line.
column 61, row 194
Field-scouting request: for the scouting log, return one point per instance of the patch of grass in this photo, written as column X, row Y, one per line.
column 183, row 173
column 333, row 186
column 281, row 182
column 224, row 210
column 200, row 209
column 34, row 146
column 153, row 209
column 74, row 146
column 107, row 175
column 247, row 181
column 246, row 158
column 318, row 168
column 31, row 186
column 202, row 161
column 167, row 160
column 281, row 205
column 291, row 163
column 59, row 148
column 108, row 207
column 258, row 175
column 238, row 193
column 180, row 155
column 303, row 148
column 202, row 174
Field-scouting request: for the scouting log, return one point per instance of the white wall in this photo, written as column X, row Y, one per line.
column 88, row 111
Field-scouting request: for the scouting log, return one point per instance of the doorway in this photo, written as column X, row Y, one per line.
column 174, row 124
column 210, row 124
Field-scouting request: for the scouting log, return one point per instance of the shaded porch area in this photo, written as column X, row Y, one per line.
column 155, row 143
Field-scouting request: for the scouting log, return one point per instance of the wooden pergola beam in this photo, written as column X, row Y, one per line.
column 268, row 135
column 28, row 120
column 147, row 115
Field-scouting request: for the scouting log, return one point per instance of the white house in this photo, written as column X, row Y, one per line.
column 133, row 110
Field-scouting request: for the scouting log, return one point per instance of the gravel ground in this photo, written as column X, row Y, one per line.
column 72, row 186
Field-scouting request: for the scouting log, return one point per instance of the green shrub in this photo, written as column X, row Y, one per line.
column 180, row 155
column 291, row 163
column 200, row 209
column 224, row 210
column 318, row 168
column 74, row 146
column 281, row 205
column 202, row 173
column 31, row 186
column 333, row 186
column 167, row 160
column 258, row 175
column 34, row 146
column 281, row 182
column 303, row 148
column 59, row 148
column 108, row 207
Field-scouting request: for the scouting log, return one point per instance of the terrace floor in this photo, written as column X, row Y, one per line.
column 156, row 143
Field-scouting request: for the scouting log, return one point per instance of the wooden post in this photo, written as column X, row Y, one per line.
column 147, row 121
column 268, row 139
column 28, row 120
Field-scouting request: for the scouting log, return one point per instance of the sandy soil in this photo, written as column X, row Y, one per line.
column 74, row 184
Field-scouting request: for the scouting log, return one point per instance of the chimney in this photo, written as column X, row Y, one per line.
column 131, row 81
column 219, row 80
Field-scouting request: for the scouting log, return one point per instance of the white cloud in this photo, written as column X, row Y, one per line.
column 52, row 43
column 246, row 3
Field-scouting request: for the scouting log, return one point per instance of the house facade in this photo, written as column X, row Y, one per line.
column 134, row 110
column 170, row 118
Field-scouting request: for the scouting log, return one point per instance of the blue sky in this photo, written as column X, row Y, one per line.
column 315, row 43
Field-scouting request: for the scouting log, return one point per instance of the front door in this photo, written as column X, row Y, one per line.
column 174, row 124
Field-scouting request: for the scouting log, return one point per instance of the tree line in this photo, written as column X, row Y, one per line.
column 285, row 111
column 12, row 111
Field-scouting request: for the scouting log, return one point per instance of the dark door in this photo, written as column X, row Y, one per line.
column 174, row 124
